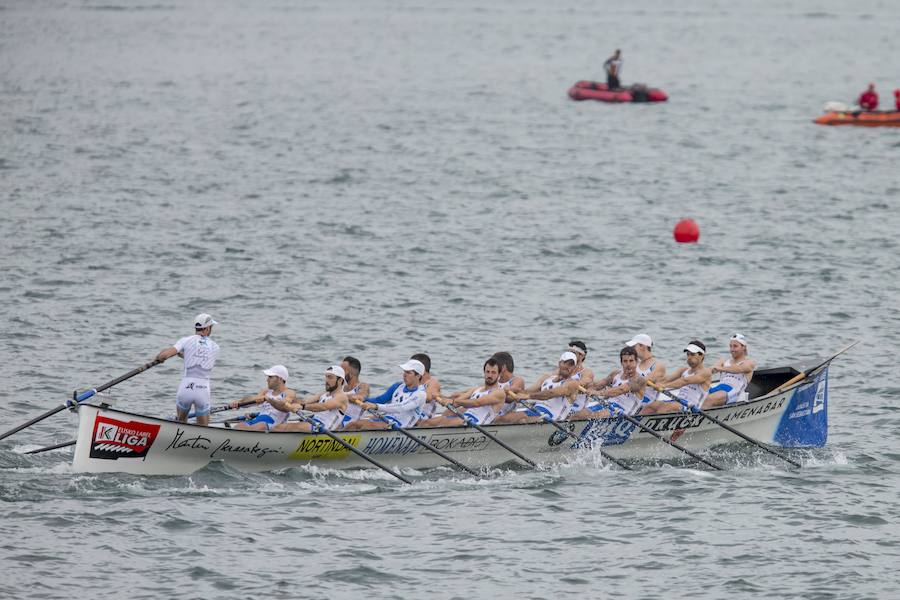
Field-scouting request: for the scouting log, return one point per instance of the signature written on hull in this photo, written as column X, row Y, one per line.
column 220, row 449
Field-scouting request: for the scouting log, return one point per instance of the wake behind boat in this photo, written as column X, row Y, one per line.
column 111, row 440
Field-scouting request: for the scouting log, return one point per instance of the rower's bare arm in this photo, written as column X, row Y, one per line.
column 432, row 389
column 536, row 386
column 602, row 383
column 257, row 397
column 166, row 354
column 659, row 371
column 699, row 377
column 675, row 376
column 516, row 384
column 287, row 404
column 587, row 377
column 496, row 397
column 363, row 390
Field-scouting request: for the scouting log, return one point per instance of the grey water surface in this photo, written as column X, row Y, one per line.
column 383, row 178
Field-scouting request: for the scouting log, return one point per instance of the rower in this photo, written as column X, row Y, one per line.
column 399, row 406
column 432, row 387
column 200, row 354
column 480, row 405
column 624, row 388
column 508, row 380
column 353, row 387
column 692, row 382
column 582, row 374
column 328, row 407
column 274, row 399
column 737, row 371
column 552, row 393
column 648, row 367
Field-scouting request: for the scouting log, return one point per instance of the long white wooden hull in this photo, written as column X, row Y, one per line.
column 111, row 440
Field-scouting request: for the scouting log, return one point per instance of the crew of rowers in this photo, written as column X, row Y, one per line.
column 639, row 386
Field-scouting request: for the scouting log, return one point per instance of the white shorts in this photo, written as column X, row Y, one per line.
column 193, row 393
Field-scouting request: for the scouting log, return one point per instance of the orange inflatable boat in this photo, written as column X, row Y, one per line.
column 875, row 118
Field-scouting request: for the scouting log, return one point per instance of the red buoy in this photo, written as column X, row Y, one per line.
column 686, row 231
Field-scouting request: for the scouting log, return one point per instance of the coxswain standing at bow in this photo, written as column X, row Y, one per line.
column 692, row 382
column 328, row 406
column 613, row 67
column 399, row 406
column 624, row 389
column 200, row 354
column 480, row 404
column 551, row 392
column 353, row 387
column 737, row 371
column 274, row 400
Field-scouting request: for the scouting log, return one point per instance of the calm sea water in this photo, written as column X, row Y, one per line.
column 383, row 178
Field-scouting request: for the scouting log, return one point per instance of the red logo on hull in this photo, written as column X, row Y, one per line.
column 113, row 439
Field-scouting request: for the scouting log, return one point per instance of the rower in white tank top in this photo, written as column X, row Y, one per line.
column 581, row 400
column 627, row 402
column 733, row 384
column 557, row 408
column 692, row 393
column 507, row 406
column 328, row 419
column 650, row 394
column 481, row 415
column 354, row 411
column 266, row 408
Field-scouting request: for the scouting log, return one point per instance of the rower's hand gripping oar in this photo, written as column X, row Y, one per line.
column 724, row 426
column 807, row 372
column 78, row 398
column 530, row 405
column 469, row 422
column 618, row 412
column 316, row 428
column 394, row 427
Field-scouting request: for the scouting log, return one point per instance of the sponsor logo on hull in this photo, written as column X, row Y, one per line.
column 114, row 439
column 322, row 446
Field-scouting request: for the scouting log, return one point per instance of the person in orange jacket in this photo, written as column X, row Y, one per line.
column 897, row 98
column 868, row 100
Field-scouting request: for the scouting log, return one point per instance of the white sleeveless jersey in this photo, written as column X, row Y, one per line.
column 693, row 393
column 581, row 400
column 558, row 406
column 737, row 381
column 267, row 409
column 650, row 393
column 429, row 408
column 507, row 406
column 330, row 419
column 354, row 411
column 482, row 415
column 629, row 401
column 200, row 354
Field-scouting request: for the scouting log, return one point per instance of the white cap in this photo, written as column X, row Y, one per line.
column 203, row 320
column 569, row 356
column 336, row 371
column 277, row 371
column 413, row 365
column 694, row 349
column 642, row 339
column 740, row 339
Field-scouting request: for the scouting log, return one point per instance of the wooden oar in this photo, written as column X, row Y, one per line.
column 807, row 372
column 642, row 427
column 724, row 426
column 605, row 455
column 443, row 455
column 78, row 398
column 489, row 435
column 317, row 429
column 53, row 447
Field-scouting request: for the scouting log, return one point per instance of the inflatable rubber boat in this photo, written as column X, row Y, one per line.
column 595, row 90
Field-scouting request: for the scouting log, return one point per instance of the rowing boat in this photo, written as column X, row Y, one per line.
column 112, row 440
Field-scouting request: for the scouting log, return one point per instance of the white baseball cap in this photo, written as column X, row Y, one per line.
column 740, row 339
column 642, row 339
column 695, row 349
column 203, row 320
column 413, row 365
column 337, row 371
column 568, row 356
column 277, row 371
